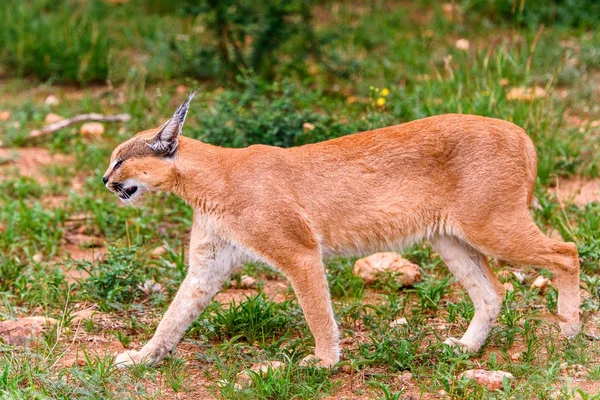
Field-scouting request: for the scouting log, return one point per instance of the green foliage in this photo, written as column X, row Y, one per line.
column 63, row 39
column 532, row 13
column 256, row 319
column 116, row 279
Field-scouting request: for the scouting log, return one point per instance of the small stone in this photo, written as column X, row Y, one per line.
column 181, row 89
column 159, row 252
column 541, row 283
column 244, row 378
column 52, row 100
column 70, row 362
column 81, row 315
column 526, row 94
column 519, row 275
column 508, row 287
column 247, row 282
column 462, row 44
column 399, row 322
column 2, row 228
column 4, row 115
column 150, row 287
column 370, row 267
column 23, row 330
column 406, row 376
column 307, row 127
column 504, row 274
column 504, row 82
column 92, row 129
column 52, row 118
column 347, row 369
column 452, row 12
column 37, row 258
column 516, row 356
column 492, row 380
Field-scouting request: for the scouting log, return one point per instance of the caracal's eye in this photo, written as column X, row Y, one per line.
column 118, row 164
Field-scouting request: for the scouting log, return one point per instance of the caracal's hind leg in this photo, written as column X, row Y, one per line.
column 526, row 244
column 471, row 269
column 307, row 276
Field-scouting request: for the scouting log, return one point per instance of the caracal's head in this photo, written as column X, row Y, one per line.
column 144, row 163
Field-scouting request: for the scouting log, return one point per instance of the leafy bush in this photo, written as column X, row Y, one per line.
column 116, row 280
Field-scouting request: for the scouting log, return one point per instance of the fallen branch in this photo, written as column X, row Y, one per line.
column 76, row 119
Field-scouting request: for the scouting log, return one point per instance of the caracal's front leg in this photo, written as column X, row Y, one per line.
column 211, row 262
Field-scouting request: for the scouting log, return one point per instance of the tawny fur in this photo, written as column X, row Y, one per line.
column 463, row 182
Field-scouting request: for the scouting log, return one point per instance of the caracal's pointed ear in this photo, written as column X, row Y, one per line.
column 164, row 143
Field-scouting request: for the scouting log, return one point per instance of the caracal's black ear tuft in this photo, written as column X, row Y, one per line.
column 164, row 143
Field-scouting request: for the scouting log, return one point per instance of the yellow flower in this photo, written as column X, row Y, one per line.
column 381, row 102
column 385, row 92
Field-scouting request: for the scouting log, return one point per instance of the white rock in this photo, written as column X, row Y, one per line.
column 492, row 380
column 462, row 44
column 247, row 282
column 52, row 100
column 37, row 258
column 370, row 267
column 519, row 275
column 541, row 283
column 22, row 330
column 52, row 118
column 399, row 322
column 159, row 252
column 307, row 126
column 92, row 129
column 244, row 378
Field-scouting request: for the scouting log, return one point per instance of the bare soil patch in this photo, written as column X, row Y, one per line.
column 32, row 162
column 577, row 190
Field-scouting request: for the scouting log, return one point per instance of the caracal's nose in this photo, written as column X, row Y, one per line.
column 104, row 179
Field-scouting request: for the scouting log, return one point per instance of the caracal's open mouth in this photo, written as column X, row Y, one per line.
column 126, row 194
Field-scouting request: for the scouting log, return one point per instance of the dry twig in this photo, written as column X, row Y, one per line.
column 76, row 119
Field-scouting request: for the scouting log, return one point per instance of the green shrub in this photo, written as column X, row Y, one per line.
column 62, row 39
column 117, row 279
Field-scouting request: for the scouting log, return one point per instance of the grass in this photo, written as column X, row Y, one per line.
column 399, row 64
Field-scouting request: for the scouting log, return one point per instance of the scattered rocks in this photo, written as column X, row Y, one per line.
column 244, row 378
column 159, row 252
column 307, row 127
column 79, row 316
column 462, row 44
column 504, row 82
column 150, row 287
column 52, row 100
column 576, row 371
column 399, row 322
column 406, row 377
column 181, row 89
column 452, row 12
column 248, row 282
column 508, row 287
column 541, row 283
column 504, row 275
column 526, row 94
column 492, row 380
column 519, row 275
column 52, row 118
column 370, row 267
column 23, row 330
column 347, row 369
column 37, row 258
column 92, row 129
column 82, row 240
column 4, row 115
column 516, row 356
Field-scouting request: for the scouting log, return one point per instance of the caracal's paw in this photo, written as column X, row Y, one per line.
column 459, row 346
column 131, row 357
column 314, row 361
column 570, row 329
